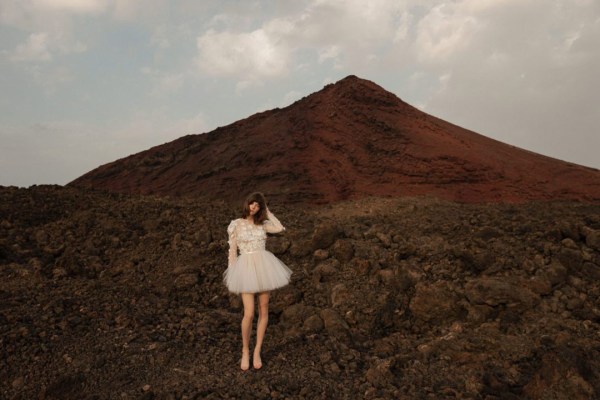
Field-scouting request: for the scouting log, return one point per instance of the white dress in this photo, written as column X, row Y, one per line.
column 255, row 269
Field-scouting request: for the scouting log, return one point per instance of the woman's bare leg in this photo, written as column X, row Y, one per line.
column 248, row 300
column 261, row 327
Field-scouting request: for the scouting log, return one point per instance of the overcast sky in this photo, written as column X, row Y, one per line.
column 85, row 82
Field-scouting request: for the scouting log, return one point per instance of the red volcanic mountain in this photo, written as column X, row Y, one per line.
column 349, row 140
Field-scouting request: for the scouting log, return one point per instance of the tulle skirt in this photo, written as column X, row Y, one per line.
column 257, row 271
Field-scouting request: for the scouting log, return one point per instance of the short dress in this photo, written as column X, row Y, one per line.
column 255, row 269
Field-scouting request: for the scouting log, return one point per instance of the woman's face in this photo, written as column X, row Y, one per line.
column 254, row 207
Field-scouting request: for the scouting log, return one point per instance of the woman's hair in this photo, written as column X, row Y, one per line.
column 261, row 215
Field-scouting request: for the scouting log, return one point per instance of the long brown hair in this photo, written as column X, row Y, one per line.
column 261, row 215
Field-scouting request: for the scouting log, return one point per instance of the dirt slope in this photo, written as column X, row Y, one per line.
column 350, row 140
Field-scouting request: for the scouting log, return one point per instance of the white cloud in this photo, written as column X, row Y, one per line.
column 146, row 12
column 350, row 23
column 443, row 33
column 249, row 56
column 336, row 30
column 41, row 46
column 73, row 6
column 404, row 25
column 517, row 71
column 34, row 49
column 331, row 52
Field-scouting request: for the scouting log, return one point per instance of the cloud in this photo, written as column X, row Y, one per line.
column 34, row 49
column 443, row 33
column 340, row 31
column 250, row 56
column 41, row 46
column 517, row 71
column 349, row 23
column 72, row 6
column 47, row 15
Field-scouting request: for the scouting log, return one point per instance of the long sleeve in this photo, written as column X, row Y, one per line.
column 272, row 224
column 233, row 248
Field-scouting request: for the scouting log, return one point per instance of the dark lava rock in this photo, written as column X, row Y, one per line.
column 342, row 250
column 563, row 374
column 592, row 238
column 335, row 325
column 471, row 301
column 435, row 302
column 494, row 291
column 325, row 235
column 326, row 270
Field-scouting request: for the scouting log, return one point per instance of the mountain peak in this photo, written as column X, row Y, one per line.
column 355, row 89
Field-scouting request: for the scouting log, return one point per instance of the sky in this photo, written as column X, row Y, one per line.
column 86, row 82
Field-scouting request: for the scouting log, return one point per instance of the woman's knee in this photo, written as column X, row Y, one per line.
column 263, row 312
column 248, row 315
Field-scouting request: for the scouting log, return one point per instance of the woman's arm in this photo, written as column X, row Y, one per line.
column 272, row 224
column 233, row 252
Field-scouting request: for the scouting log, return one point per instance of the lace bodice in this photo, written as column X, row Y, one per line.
column 247, row 236
column 250, row 237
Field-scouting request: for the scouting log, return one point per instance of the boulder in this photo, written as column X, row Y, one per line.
column 284, row 297
column 592, row 238
column 324, row 235
column 278, row 244
column 494, row 291
column 570, row 258
column 540, row 285
column 41, row 237
column 555, row 272
column 380, row 375
column 321, row 254
column 186, row 280
column 569, row 230
column 384, row 238
column 297, row 313
column 562, row 374
column 340, row 295
column 326, row 270
column 203, row 236
column 300, row 248
column 313, row 324
column 335, row 325
column 181, row 269
column 435, row 302
column 342, row 250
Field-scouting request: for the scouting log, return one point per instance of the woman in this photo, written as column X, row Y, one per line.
column 256, row 270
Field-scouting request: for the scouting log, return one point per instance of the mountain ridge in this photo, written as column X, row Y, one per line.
column 349, row 140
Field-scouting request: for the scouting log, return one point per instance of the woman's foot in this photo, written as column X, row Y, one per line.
column 256, row 361
column 245, row 363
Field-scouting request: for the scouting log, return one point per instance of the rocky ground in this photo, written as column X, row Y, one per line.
column 112, row 296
